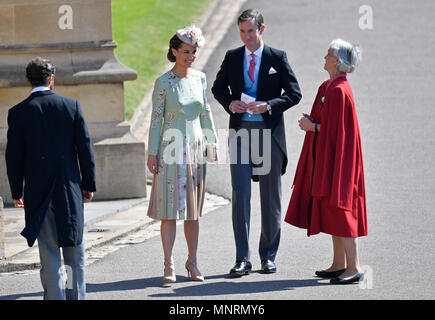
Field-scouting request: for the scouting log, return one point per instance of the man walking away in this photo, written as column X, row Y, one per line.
column 51, row 171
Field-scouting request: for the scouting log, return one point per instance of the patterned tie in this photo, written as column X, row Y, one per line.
column 252, row 67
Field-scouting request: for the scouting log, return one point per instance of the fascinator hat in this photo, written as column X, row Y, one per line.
column 191, row 35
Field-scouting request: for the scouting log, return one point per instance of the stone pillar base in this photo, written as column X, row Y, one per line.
column 5, row 191
column 120, row 168
column 2, row 235
column 120, row 157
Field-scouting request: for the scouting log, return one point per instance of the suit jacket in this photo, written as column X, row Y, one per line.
column 47, row 134
column 229, row 85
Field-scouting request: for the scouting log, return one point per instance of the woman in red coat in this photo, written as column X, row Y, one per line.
column 328, row 189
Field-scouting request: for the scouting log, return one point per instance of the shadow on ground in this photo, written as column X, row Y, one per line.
column 206, row 289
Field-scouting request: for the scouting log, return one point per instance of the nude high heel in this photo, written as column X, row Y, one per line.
column 169, row 272
column 192, row 270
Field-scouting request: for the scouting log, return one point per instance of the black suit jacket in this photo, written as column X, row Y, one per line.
column 47, row 134
column 280, row 90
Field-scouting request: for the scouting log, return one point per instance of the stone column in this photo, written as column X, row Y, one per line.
column 76, row 35
column 2, row 232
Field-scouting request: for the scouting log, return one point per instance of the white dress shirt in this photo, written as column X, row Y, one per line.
column 258, row 53
column 41, row 88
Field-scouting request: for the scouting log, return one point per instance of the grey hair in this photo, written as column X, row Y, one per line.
column 349, row 55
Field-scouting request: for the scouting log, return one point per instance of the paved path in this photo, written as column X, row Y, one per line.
column 393, row 92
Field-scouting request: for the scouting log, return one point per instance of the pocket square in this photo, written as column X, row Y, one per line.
column 272, row 70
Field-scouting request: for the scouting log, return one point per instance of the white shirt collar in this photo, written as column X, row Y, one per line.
column 257, row 52
column 41, row 88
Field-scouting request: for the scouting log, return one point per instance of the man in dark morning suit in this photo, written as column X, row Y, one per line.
column 263, row 73
column 47, row 139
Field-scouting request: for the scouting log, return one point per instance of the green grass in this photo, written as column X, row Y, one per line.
column 142, row 29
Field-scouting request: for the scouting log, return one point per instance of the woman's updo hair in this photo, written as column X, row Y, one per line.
column 174, row 43
column 349, row 55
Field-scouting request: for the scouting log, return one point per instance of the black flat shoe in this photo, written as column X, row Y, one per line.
column 268, row 266
column 329, row 274
column 241, row 268
column 359, row 277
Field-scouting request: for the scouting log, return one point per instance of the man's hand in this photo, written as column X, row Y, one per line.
column 19, row 203
column 257, row 107
column 87, row 196
column 238, row 106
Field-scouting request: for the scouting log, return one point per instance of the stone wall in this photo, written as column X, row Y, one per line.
column 76, row 35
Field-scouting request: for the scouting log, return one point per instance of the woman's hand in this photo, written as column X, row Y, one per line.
column 152, row 164
column 306, row 123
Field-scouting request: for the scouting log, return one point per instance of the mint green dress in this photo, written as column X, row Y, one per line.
column 181, row 127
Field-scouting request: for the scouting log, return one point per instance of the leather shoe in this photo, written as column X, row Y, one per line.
column 268, row 266
column 241, row 268
column 359, row 277
column 329, row 274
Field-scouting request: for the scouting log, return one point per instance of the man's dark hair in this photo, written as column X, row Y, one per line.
column 176, row 44
column 38, row 71
column 249, row 15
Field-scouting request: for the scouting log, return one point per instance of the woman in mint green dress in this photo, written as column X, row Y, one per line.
column 181, row 127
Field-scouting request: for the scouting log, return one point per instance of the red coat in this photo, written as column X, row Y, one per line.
column 331, row 198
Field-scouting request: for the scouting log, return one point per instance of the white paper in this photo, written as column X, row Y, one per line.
column 247, row 99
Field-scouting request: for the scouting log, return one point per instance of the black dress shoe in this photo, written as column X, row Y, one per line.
column 240, row 269
column 329, row 274
column 268, row 266
column 359, row 277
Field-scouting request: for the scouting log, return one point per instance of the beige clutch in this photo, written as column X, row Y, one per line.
column 211, row 152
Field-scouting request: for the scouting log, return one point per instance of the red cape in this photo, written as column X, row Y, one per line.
column 331, row 198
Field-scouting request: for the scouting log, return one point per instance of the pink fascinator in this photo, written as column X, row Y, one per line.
column 191, row 35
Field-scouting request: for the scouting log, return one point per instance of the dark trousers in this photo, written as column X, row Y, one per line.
column 261, row 156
